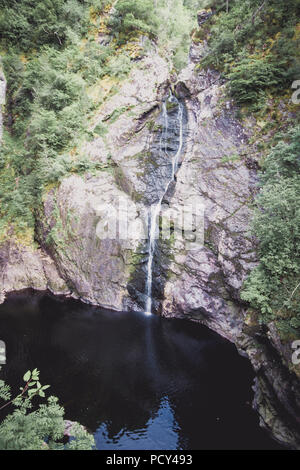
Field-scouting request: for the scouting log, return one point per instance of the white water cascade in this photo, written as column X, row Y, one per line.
column 156, row 207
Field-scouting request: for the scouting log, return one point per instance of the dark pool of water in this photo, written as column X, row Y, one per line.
column 137, row 382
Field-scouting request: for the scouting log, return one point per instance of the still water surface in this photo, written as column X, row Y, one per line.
column 136, row 381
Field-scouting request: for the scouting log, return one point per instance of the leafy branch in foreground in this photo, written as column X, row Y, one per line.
column 43, row 428
column 32, row 380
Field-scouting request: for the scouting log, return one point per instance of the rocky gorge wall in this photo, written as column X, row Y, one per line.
column 204, row 283
column 201, row 284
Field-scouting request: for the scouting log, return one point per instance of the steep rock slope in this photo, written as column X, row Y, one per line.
column 23, row 267
column 201, row 283
column 205, row 281
column 99, row 270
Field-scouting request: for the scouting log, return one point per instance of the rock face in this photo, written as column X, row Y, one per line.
column 204, row 281
column 97, row 270
column 203, row 16
column 195, row 279
column 23, row 267
column 130, row 119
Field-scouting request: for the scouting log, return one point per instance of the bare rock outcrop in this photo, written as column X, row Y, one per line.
column 96, row 268
column 23, row 267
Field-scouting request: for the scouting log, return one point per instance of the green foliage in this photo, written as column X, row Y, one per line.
column 117, row 113
column 100, row 129
column 131, row 17
column 33, row 386
column 46, row 110
column 33, row 24
column 119, row 66
column 4, row 391
column 255, row 46
column 273, row 287
column 42, row 428
column 250, row 77
column 168, row 25
column 17, row 190
column 99, row 5
column 195, row 5
column 174, row 30
column 283, row 161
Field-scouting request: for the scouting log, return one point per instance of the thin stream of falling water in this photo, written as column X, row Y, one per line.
column 155, row 208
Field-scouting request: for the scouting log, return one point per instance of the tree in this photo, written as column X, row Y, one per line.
column 43, row 428
column 133, row 16
column 273, row 287
column 31, row 24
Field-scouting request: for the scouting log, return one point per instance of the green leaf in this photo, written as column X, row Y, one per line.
column 27, row 376
column 35, row 374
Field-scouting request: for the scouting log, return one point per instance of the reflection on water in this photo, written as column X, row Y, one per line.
column 163, row 424
column 137, row 382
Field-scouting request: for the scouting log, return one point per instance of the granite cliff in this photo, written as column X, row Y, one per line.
column 201, row 283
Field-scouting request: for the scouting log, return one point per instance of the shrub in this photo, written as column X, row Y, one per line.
column 250, row 76
column 32, row 24
column 284, row 159
column 132, row 16
column 45, row 111
column 256, row 49
column 119, row 66
column 42, row 428
column 174, row 31
column 273, row 287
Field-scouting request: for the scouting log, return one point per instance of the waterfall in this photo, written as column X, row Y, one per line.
column 155, row 208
